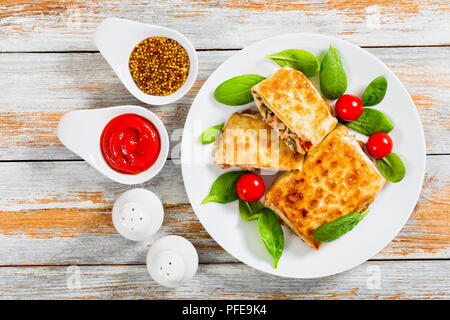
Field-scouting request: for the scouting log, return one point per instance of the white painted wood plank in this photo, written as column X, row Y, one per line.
column 85, row 237
column 37, row 89
column 30, row 25
column 371, row 280
column 75, row 185
column 59, row 213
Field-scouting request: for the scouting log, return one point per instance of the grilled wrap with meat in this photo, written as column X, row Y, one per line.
column 248, row 143
column 291, row 105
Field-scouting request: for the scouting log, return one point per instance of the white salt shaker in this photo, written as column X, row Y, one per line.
column 172, row 261
column 137, row 214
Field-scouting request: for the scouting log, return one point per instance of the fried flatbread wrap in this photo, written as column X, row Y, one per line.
column 337, row 178
column 292, row 106
column 248, row 143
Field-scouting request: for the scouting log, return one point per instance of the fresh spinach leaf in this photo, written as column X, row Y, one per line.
column 371, row 121
column 374, row 92
column 236, row 91
column 211, row 134
column 333, row 80
column 223, row 189
column 271, row 233
column 301, row 60
column 249, row 210
column 392, row 167
column 335, row 229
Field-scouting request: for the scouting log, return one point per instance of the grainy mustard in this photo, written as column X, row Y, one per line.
column 159, row 66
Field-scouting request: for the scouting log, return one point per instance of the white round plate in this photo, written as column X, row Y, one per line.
column 390, row 210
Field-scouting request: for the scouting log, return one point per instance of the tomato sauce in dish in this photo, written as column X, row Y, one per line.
column 130, row 143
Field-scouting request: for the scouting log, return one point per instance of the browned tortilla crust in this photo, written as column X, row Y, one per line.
column 337, row 178
column 251, row 149
column 297, row 103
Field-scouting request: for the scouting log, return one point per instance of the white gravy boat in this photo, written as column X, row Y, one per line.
column 80, row 131
column 116, row 38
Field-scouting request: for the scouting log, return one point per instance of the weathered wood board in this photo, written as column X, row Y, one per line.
column 55, row 210
column 37, row 89
column 59, row 213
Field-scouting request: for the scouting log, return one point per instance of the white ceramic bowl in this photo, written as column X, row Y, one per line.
column 80, row 131
column 116, row 38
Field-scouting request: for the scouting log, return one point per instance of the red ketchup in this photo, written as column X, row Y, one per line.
column 130, row 143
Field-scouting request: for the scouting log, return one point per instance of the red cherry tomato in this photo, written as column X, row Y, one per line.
column 379, row 145
column 250, row 187
column 348, row 107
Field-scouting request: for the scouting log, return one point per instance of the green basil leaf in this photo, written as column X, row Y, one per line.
column 301, row 60
column 236, row 91
column 371, row 121
column 335, row 229
column 211, row 134
column 249, row 210
column 223, row 189
column 392, row 167
column 333, row 80
column 374, row 92
column 271, row 233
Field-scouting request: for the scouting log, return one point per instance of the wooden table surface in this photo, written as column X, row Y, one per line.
column 56, row 235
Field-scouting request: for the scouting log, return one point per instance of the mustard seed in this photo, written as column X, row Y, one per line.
column 159, row 66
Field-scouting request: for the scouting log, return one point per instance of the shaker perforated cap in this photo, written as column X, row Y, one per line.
column 172, row 261
column 137, row 214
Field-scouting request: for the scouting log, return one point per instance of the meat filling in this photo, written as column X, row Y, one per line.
column 293, row 140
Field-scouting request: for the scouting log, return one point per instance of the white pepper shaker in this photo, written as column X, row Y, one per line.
column 137, row 214
column 172, row 261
